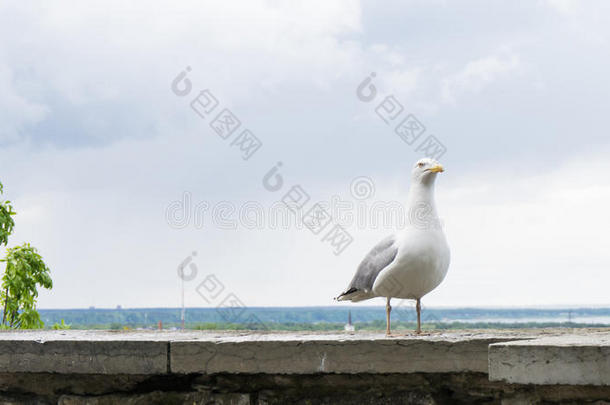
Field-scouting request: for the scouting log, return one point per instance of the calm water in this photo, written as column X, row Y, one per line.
column 330, row 314
column 575, row 319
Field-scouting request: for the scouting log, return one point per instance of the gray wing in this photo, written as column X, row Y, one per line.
column 378, row 259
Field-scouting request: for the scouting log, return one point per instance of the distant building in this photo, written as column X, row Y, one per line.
column 348, row 326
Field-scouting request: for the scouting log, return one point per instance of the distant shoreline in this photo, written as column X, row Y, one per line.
column 323, row 318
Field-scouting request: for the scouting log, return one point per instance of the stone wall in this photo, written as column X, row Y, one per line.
column 87, row 367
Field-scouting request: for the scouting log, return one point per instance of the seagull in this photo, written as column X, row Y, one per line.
column 412, row 262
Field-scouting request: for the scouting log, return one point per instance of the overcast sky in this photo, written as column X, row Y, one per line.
column 96, row 148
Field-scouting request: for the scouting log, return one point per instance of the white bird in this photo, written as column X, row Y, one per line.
column 412, row 262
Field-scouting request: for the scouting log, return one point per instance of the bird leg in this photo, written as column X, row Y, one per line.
column 418, row 308
column 388, row 309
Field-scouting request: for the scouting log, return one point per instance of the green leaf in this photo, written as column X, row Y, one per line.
column 25, row 271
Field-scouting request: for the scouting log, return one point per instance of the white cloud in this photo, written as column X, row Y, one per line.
column 477, row 74
column 120, row 53
column 533, row 239
column 563, row 6
column 17, row 111
column 587, row 21
column 80, row 41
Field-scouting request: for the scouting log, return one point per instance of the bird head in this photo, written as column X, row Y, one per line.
column 425, row 170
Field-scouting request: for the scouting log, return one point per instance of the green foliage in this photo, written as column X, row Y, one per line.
column 6, row 221
column 25, row 270
column 62, row 325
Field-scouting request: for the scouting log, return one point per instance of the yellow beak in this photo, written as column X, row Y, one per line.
column 437, row 169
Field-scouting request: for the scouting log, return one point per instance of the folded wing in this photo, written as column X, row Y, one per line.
column 381, row 256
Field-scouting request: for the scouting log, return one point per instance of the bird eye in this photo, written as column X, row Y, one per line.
column 420, row 164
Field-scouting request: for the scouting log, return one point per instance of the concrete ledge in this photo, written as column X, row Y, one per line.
column 152, row 352
column 332, row 353
column 573, row 360
column 238, row 368
column 81, row 352
column 524, row 357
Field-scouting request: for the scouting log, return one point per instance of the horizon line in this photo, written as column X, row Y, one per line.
column 568, row 307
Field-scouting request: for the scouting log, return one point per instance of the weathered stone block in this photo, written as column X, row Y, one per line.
column 572, row 360
column 81, row 352
column 304, row 354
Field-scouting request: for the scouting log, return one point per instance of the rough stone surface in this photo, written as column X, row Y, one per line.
column 158, row 398
column 267, row 389
column 152, row 352
column 81, row 352
column 434, row 354
column 575, row 360
column 229, row 368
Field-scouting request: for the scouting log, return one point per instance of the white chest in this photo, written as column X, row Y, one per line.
column 420, row 266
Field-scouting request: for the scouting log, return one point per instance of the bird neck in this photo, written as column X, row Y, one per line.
column 421, row 192
column 420, row 200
